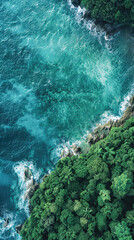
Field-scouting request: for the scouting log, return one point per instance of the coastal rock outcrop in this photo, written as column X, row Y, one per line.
column 18, row 228
column 87, row 15
column 27, row 174
column 73, row 150
column 129, row 112
column 30, row 191
column 101, row 131
column 66, row 152
column 76, row 149
column 31, row 185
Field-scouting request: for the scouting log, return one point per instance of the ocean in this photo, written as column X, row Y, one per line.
column 59, row 76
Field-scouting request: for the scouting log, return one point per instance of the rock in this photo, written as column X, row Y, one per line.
column 31, row 187
column 101, row 131
column 62, row 153
column 30, row 191
column 27, row 174
column 30, row 183
column 90, row 138
column 65, row 153
column 96, row 138
column 87, row 15
column 129, row 112
column 30, row 194
column 102, row 136
column 30, row 207
column 76, row 149
column 6, row 222
column 76, row 3
column 132, row 100
column 18, row 228
column 45, row 176
column 96, row 130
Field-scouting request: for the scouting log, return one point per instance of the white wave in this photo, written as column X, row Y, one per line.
column 107, row 116
column 89, row 24
column 9, row 231
column 19, row 170
column 125, row 102
column 104, row 118
column 67, row 147
column 19, row 191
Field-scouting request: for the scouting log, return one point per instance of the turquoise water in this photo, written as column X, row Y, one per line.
column 58, row 78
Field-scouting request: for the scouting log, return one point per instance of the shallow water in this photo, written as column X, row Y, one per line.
column 58, row 78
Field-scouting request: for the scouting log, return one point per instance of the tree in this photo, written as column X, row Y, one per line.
column 88, row 197
column 122, row 232
column 117, row 16
column 121, row 185
column 127, row 3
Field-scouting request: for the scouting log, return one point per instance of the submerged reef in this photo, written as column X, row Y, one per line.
column 90, row 196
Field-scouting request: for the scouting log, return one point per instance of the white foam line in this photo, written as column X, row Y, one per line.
column 105, row 117
column 124, row 103
column 89, row 24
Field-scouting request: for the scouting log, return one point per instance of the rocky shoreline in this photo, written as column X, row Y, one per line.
column 100, row 132
column 103, row 130
column 109, row 28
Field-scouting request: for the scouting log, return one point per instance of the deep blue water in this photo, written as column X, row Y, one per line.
column 58, row 78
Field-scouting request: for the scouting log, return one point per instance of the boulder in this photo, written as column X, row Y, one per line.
column 101, row 131
column 30, row 183
column 30, row 191
column 18, row 228
column 109, row 125
column 27, row 174
column 62, row 153
column 30, row 207
column 90, row 138
column 31, row 187
column 6, row 222
column 76, row 149
column 65, row 153
column 87, row 15
column 132, row 100
column 96, row 138
column 102, row 136
column 129, row 112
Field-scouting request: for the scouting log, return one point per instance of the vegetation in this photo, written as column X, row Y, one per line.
column 111, row 11
column 90, row 197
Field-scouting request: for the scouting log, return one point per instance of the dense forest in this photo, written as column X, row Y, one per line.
column 90, row 196
column 111, row 11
